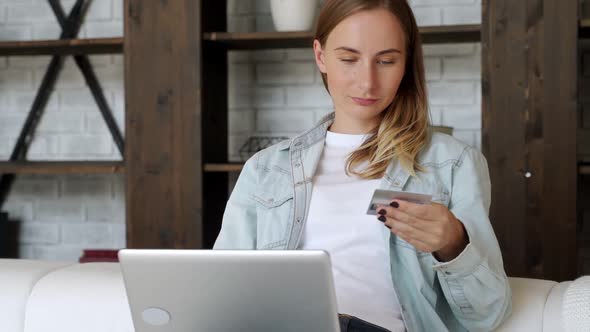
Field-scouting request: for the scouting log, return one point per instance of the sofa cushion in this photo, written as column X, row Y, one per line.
column 83, row 297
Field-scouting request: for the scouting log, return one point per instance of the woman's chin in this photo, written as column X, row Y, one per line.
column 364, row 113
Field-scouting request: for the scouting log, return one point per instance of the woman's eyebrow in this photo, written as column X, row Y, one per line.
column 349, row 49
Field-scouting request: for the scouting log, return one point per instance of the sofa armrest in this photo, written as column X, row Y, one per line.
column 18, row 277
column 528, row 305
column 86, row 297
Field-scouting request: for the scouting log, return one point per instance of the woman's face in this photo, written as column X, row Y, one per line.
column 364, row 59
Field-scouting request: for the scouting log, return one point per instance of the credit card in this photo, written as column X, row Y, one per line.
column 384, row 197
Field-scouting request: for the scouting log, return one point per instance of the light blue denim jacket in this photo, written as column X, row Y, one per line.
column 268, row 210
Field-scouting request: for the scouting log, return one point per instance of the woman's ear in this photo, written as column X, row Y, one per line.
column 319, row 56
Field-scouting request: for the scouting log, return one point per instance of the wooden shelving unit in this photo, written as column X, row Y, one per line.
column 303, row 39
column 278, row 40
column 230, row 40
column 68, row 44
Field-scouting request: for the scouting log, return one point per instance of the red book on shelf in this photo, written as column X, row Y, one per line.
column 99, row 255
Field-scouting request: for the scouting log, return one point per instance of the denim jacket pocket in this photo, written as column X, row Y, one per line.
column 268, row 200
column 274, row 213
column 430, row 186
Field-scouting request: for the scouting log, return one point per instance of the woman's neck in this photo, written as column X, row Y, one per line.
column 347, row 125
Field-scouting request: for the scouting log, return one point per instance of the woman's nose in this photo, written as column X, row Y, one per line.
column 367, row 78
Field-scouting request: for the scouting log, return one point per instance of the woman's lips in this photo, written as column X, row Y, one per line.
column 364, row 102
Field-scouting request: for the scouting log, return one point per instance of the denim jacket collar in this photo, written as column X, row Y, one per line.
column 311, row 143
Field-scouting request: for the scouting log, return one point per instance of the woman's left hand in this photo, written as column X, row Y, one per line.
column 428, row 227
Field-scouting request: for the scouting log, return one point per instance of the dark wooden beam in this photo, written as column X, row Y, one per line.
column 529, row 132
column 86, row 68
column 163, row 156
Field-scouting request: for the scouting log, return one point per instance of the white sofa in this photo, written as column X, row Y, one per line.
column 39, row 296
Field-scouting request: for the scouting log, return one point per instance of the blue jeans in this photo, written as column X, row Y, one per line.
column 354, row 324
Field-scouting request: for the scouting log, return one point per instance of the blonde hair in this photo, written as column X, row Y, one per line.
column 403, row 131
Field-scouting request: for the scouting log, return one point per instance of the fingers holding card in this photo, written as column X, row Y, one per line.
column 384, row 197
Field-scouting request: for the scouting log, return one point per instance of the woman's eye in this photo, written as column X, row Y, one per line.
column 381, row 62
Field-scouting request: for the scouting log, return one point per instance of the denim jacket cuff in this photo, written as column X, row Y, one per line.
column 465, row 263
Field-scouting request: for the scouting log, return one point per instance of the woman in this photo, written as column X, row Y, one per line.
column 431, row 267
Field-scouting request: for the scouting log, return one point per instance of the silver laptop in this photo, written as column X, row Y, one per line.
column 230, row 290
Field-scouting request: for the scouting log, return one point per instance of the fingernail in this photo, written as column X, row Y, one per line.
column 394, row 204
column 381, row 218
column 382, row 212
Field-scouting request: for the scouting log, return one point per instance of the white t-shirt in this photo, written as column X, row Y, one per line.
column 357, row 242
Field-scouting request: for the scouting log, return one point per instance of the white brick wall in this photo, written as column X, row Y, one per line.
column 276, row 92
column 63, row 214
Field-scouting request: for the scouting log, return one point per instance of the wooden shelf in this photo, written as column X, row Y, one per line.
column 230, row 40
column 469, row 33
column 299, row 39
column 584, row 169
column 62, row 167
column 584, row 29
column 230, row 167
column 62, row 47
column 260, row 40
